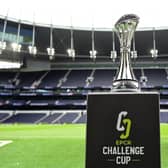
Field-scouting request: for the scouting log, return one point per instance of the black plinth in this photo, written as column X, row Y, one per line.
column 123, row 130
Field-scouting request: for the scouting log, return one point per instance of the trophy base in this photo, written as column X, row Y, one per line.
column 123, row 130
column 125, row 85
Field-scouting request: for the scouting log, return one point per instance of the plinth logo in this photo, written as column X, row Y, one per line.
column 123, row 151
column 123, row 125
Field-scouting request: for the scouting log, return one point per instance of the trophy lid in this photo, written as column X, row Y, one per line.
column 127, row 18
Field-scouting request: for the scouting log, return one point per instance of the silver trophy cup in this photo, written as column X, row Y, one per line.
column 125, row 79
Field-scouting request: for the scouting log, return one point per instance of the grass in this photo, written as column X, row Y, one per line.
column 52, row 146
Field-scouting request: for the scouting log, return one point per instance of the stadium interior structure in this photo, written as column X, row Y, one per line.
column 47, row 72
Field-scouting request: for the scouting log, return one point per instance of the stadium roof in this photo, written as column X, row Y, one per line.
column 87, row 13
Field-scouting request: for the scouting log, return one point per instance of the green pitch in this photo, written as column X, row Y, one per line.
column 52, row 146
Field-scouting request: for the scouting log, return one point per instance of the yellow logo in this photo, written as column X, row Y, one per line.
column 123, row 125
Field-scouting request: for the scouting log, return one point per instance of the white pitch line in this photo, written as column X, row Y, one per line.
column 5, row 142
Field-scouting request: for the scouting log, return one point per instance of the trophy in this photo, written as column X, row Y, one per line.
column 125, row 79
column 123, row 115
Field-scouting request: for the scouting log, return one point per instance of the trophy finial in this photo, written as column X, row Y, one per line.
column 125, row 28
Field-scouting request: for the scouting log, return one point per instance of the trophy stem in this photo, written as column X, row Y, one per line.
column 125, row 79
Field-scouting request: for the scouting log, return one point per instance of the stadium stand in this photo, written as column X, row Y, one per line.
column 59, row 117
column 3, row 116
column 27, row 79
column 164, row 117
column 24, row 118
column 138, row 74
column 50, row 118
column 58, row 81
column 67, row 118
column 156, row 77
column 77, row 78
column 103, row 78
column 52, row 79
column 6, row 78
column 82, row 119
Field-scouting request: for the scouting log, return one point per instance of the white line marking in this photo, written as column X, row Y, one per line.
column 5, row 142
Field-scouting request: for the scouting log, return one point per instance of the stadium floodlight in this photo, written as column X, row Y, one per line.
column 16, row 47
column 154, row 51
column 134, row 54
column 2, row 42
column 51, row 53
column 51, row 50
column 2, row 46
column 32, row 49
column 113, row 55
column 71, row 51
column 93, row 52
